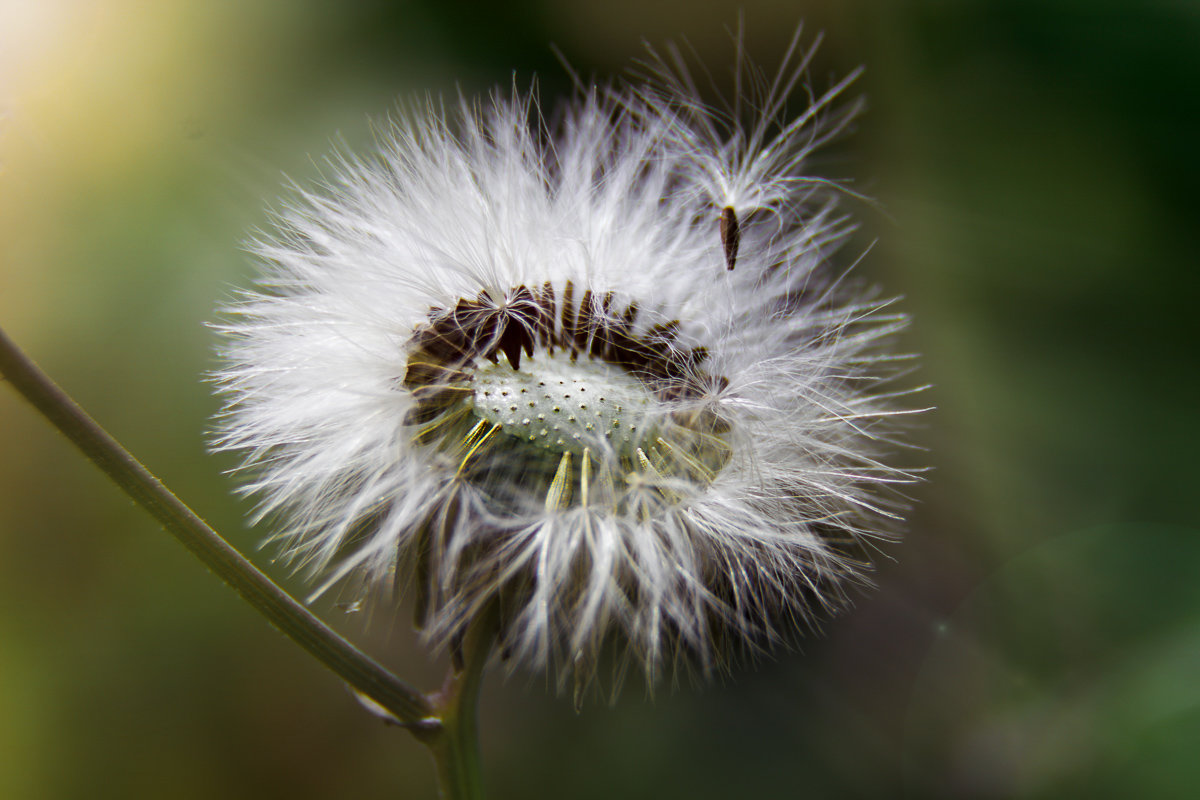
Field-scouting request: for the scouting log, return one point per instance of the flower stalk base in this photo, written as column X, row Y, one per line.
column 453, row 739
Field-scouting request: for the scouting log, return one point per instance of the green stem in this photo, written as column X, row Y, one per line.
column 455, row 743
column 296, row 622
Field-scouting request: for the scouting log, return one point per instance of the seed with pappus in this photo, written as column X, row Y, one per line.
column 598, row 378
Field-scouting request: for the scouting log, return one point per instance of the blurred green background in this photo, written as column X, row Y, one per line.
column 1039, row 632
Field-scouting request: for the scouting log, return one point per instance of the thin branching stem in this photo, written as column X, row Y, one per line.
column 455, row 742
column 360, row 671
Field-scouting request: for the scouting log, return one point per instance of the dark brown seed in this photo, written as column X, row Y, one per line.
column 731, row 236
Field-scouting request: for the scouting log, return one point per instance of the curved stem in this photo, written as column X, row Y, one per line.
column 295, row 621
column 455, row 743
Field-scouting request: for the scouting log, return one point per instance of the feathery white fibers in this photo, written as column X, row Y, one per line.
column 400, row 382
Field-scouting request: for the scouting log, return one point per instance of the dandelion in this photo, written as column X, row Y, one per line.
column 597, row 379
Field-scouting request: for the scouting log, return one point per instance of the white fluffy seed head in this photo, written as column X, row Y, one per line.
column 600, row 377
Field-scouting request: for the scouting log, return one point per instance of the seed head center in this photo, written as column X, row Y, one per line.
column 564, row 405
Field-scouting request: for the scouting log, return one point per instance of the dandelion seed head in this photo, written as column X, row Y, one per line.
column 600, row 377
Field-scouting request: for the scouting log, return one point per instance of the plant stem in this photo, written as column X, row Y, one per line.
column 455, row 743
column 292, row 619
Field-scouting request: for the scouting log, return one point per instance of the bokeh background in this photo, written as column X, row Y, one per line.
column 1036, row 636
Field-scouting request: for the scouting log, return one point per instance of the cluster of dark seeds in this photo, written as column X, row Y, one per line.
column 444, row 348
